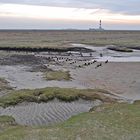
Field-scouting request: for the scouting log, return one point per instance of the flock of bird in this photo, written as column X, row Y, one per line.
column 73, row 61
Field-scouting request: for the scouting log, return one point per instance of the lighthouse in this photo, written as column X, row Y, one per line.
column 98, row 29
column 100, row 25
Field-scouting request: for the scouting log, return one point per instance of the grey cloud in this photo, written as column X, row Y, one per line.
column 121, row 6
column 25, row 23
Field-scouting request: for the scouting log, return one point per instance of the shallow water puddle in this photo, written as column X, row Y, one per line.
column 112, row 56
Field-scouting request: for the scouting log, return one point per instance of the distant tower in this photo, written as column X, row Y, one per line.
column 100, row 25
column 98, row 29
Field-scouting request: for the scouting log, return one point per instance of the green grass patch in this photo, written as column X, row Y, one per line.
column 58, row 75
column 6, row 122
column 46, row 94
column 7, row 119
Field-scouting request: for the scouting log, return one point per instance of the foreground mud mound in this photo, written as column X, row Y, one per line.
column 34, row 114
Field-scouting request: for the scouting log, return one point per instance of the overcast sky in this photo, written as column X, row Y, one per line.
column 62, row 14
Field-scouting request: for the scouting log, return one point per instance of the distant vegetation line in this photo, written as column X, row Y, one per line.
column 28, row 49
column 113, row 30
column 44, row 49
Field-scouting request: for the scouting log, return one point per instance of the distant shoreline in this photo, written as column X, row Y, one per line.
column 69, row 30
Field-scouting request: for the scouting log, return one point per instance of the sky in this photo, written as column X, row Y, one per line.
column 70, row 14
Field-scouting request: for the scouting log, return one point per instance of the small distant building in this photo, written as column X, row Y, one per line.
column 98, row 29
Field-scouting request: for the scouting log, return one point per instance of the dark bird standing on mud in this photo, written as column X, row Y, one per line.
column 106, row 61
column 94, row 61
column 99, row 65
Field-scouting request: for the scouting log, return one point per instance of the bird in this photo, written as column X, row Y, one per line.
column 94, row 61
column 99, row 65
column 89, row 63
column 106, row 61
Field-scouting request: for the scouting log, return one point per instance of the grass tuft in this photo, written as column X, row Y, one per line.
column 58, row 75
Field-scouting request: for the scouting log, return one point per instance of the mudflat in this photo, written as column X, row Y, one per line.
column 121, row 78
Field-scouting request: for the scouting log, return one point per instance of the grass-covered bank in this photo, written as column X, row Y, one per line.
column 107, row 122
column 46, row 94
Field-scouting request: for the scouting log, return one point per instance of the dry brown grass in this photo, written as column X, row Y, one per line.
column 64, row 38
